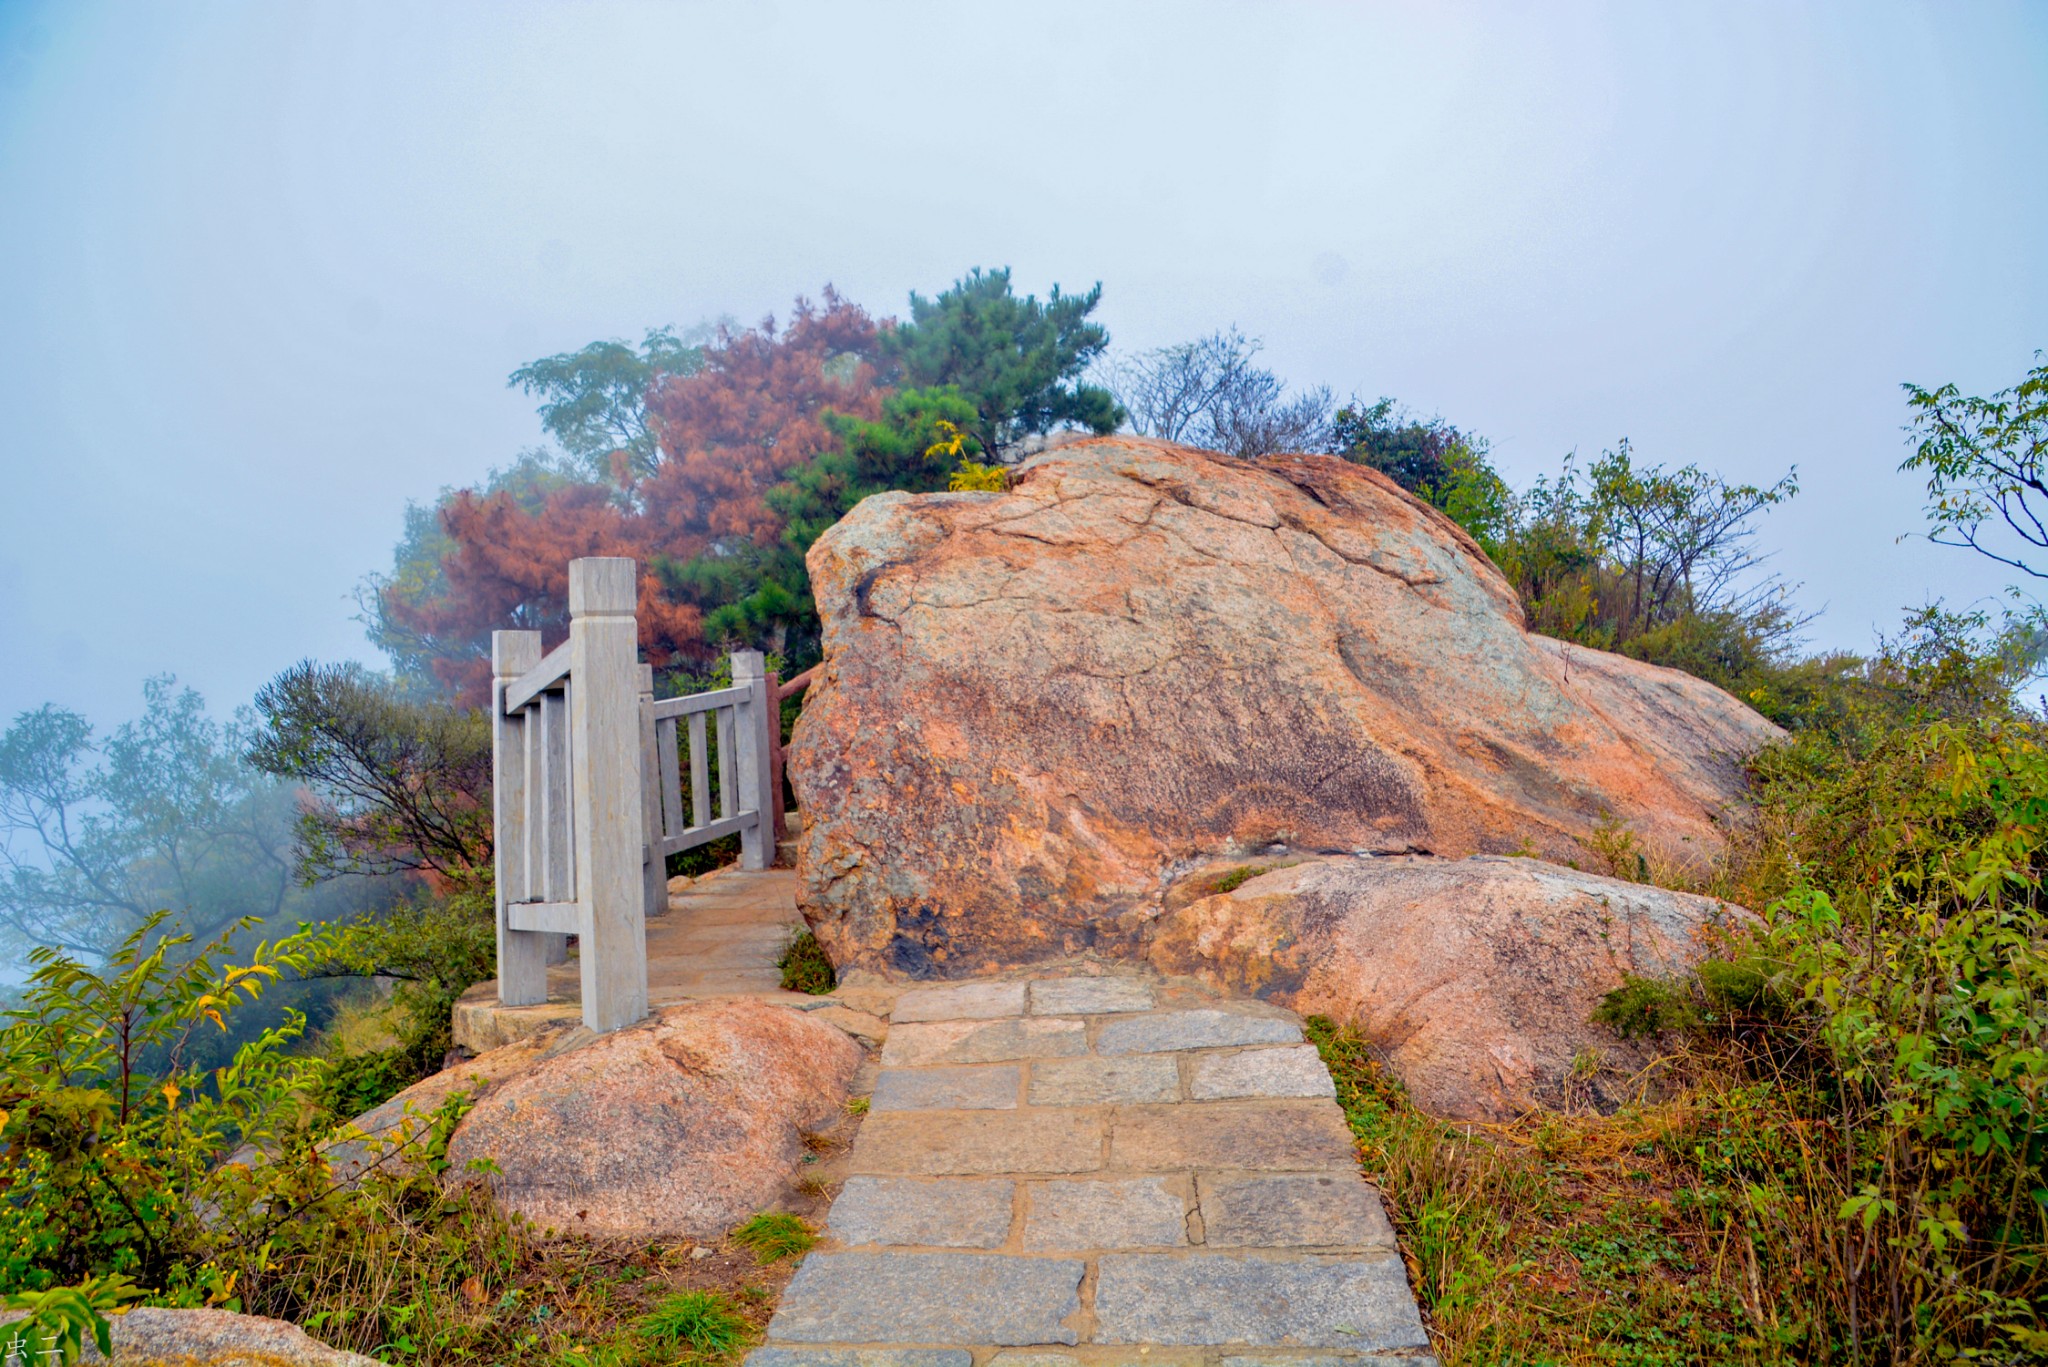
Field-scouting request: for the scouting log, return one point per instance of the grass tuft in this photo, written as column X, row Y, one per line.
column 707, row 1324
column 773, row 1235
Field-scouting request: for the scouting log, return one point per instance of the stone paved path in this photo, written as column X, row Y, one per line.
column 721, row 937
column 1078, row 1171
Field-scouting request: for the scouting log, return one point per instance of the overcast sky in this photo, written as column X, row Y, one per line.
column 264, row 268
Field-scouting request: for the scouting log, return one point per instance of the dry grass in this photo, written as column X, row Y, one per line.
column 1647, row 1237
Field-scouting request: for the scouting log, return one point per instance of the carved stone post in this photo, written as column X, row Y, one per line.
column 604, row 730
column 522, row 954
column 757, row 842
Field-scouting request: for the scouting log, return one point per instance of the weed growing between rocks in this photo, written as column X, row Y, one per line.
column 1234, row 879
column 805, row 967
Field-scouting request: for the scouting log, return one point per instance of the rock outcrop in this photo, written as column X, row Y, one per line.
column 149, row 1337
column 1038, row 707
column 684, row 1124
column 1474, row 978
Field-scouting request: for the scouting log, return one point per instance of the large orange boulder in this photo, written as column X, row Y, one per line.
column 1475, row 980
column 1038, row 707
column 684, row 1124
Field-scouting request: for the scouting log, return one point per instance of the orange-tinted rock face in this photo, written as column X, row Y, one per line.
column 1474, row 979
column 684, row 1124
column 1037, row 707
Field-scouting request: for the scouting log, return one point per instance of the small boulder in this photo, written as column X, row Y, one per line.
column 147, row 1336
column 1476, row 979
column 684, row 1124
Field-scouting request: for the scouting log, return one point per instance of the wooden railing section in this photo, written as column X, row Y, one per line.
column 588, row 793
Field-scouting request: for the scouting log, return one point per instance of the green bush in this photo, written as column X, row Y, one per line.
column 1643, row 1008
column 200, row 1186
column 434, row 950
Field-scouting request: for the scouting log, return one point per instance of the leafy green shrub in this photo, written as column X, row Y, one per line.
column 436, row 951
column 805, row 967
column 773, row 1235
column 201, row 1186
column 56, row 1324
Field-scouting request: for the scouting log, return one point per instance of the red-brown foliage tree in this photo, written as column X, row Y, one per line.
column 728, row 434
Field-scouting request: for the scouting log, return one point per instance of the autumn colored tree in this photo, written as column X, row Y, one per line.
column 762, row 594
column 728, row 431
column 731, row 460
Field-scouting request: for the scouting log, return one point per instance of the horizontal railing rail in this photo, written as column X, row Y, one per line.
column 552, row 670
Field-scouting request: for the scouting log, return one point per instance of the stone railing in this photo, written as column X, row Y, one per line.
column 587, row 792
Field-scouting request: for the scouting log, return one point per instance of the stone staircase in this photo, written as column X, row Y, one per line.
column 1067, row 1171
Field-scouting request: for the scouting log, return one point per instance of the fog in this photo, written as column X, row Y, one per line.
column 264, row 268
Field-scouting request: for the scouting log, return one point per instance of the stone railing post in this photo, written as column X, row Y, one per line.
column 755, row 768
column 654, row 875
column 522, row 954
column 604, row 739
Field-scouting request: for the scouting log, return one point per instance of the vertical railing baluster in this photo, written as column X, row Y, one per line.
column 728, row 790
column 653, row 867
column 700, row 773
column 557, row 874
column 672, row 822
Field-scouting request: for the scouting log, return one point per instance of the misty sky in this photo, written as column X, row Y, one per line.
column 264, row 268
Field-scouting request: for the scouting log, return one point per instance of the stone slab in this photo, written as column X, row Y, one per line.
column 1089, row 996
column 999, row 1041
column 1095, row 1081
column 978, row 1143
column 960, row 1298
column 1204, row 1028
column 946, row 1213
column 1131, row 1212
column 947, row 1089
column 1362, row 1305
column 1277, row 1136
column 1305, row 1210
column 1295, row 1070
column 860, row 1357
column 967, row 1001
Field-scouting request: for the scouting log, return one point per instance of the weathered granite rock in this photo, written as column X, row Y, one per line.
column 146, row 1337
column 391, row 1133
column 1475, row 977
column 684, row 1124
column 1038, row 706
